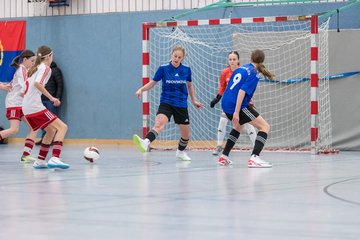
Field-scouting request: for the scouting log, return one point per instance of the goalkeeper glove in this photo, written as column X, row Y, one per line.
column 215, row 101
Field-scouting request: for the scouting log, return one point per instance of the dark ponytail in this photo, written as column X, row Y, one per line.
column 258, row 57
column 25, row 54
column 42, row 53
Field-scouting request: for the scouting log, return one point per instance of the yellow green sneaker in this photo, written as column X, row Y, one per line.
column 142, row 144
column 28, row 159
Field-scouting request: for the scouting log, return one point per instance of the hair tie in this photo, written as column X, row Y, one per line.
column 39, row 54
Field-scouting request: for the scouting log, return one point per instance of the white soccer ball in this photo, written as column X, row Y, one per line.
column 91, row 154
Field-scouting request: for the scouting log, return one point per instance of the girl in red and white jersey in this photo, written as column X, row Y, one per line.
column 38, row 116
column 14, row 100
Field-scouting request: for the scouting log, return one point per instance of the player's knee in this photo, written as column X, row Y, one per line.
column 158, row 127
column 13, row 130
column 64, row 127
column 266, row 127
column 50, row 130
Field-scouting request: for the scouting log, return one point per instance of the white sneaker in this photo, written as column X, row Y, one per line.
column 142, row 144
column 224, row 160
column 55, row 162
column 256, row 162
column 40, row 164
column 217, row 150
column 182, row 155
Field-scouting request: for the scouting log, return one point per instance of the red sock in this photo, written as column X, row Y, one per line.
column 29, row 144
column 56, row 151
column 44, row 149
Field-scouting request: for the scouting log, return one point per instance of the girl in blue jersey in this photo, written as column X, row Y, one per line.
column 233, row 63
column 235, row 104
column 176, row 86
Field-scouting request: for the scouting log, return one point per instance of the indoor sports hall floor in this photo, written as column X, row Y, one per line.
column 128, row 195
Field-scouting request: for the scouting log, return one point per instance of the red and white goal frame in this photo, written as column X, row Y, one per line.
column 313, row 61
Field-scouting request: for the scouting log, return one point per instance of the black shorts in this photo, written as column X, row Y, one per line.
column 246, row 115
column 181, row 115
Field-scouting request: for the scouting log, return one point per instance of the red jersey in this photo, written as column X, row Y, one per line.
column 224, row 79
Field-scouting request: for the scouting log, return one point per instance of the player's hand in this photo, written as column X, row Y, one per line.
column 215, row 101
column 6, row 87
column 198, row 105
column 56, row 102
column 236, row 118
column 138, row 93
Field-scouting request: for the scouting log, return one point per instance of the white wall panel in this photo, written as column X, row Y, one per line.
column 21, row 8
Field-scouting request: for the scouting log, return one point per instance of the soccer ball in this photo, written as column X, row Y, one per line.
column 91, row 154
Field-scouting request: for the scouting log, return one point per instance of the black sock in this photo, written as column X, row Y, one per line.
column 182, row 144
column 151, row 135
column 233, row 137
column 259, row 143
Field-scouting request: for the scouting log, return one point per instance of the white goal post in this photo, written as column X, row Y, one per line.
column 296, row 104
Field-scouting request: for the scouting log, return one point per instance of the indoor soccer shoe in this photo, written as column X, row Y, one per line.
column 217, row 150
column 182, row 155
column 40, row 164
column 55, row 162
column 142, row 144
column 256, row 162
column 28, row 159
column 224, row 160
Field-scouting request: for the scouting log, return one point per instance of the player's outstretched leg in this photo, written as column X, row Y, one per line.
column 142, row 144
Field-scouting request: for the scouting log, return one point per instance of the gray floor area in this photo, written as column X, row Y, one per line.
column 128, row 195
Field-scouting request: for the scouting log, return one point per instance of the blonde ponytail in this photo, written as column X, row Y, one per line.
column 42, row 53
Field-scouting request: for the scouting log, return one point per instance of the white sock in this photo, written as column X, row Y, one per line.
column 251, row 132
column 221, row 130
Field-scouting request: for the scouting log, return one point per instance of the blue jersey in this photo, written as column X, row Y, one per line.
column 174, row 88
column 245, row 78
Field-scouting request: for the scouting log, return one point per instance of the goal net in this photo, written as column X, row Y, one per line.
column 285, row 102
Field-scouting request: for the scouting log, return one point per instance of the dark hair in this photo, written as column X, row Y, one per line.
column 236, row 53
column 258, row 57
column 42, row 53
column 25, row 54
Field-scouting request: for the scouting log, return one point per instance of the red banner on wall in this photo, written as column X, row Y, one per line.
column 12, row 43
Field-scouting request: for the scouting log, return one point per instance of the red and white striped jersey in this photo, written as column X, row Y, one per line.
column 13, row 98
column 32, row 99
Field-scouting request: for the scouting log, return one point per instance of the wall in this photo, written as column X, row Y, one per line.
column 100, row 56
column 22, row 8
